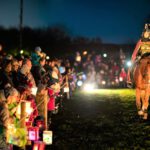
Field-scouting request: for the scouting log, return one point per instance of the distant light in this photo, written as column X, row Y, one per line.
column 104, row 55
column 79, row 83
column 88, row 87
column 21, row 51
column 78, row 58
column 129, row 64
column 120, row 79
column 85, row 53
column 47, row 57
column 84, row 77
column 62, row 69
column 103, row 82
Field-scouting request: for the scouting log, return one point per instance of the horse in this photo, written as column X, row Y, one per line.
column 141, row 76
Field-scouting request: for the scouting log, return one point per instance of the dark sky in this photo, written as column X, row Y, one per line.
column 116, row 21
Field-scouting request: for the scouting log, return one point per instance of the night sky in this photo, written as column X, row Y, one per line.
column 115, row 21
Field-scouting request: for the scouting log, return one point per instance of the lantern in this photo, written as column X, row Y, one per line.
column 16, row 136
column 47, row 137
column 33, row 133
column 29, row 110
column 34, row 90
column 66, row 89
column 38, row 145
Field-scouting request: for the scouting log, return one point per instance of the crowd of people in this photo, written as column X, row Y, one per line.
column 31, row 78
column 37, row 78
column 106, row 71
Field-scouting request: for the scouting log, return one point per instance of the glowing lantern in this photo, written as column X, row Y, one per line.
column 38, row 145
column 85, row 53
column 66, row 89
column 103, row 82
column 21, row 51
column 28, row 107
column 78, row 58
column 120, row 79
column 34, row 90
column 47, row 137
column 33, row 133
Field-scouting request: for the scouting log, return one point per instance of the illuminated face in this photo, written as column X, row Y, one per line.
column 146, row 34
column 8, row 67
column 29, row 64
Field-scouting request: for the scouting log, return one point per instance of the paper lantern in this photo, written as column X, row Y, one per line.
column 29, row 110
column 38, row 145
column 33, row 133
column 16, row 136
column 34, row 90
column 66, row 89
column 47, row 137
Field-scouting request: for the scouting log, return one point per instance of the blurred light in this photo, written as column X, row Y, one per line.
column 21, row 51
column 85, row 53
column 88, row 87
column 84, row 77
column 103, row 82
column 79, row 83
column 104, row 55
column 34, row 90
column 112, row 82
column 47, row 57
column 120, row 79
column 78, row 58
column 62, row 69
column 129, row 63
column 116, row 80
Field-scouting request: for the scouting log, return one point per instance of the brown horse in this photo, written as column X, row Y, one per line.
column 141, row 77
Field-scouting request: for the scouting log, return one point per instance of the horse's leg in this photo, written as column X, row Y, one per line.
column 146, row 103
column 138, row 101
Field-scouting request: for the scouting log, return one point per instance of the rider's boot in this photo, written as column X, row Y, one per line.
column 129, row 81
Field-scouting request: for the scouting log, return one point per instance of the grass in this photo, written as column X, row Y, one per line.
column 101, row 119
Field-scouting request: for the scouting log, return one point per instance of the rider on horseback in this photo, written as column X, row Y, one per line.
column 142, row 48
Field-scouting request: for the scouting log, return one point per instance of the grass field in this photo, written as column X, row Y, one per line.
column 101, row 119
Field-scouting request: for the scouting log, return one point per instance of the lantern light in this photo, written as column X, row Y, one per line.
column 103, row 82
column 129, row 64
column 79, row 83
column 85, row 53
column 120, row 79
column 34, row 90
column 47, row 137
column 66, row 89
column 33, row 133
column 21, row 51
column 78, row 58
column 47, row 57
column 105, row 55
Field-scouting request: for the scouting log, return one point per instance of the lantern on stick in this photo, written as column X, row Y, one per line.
column 47, row 137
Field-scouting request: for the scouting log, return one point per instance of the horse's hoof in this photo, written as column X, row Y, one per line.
column 145, row 116
column 140, row 113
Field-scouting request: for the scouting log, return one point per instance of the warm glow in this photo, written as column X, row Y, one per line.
column 88, row 87
column 85, row 53
column 47, row 137
column 21, row 51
